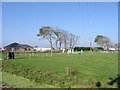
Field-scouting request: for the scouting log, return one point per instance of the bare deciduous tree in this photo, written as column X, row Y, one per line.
column 65, row 36
column 73, row 39
column 58, row 36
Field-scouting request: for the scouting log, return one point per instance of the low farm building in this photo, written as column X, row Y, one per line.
column 18, row 47
column 42, row 49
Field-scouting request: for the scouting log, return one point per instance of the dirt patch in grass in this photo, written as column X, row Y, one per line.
column 5, row 86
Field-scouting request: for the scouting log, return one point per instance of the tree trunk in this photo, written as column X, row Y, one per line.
column 65, row 46
column 60, row 45
column 51, row 48
column 56, row 45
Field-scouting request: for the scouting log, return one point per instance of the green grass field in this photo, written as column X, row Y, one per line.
column 89, row 68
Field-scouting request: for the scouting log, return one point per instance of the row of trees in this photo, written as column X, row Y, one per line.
column 58, row 37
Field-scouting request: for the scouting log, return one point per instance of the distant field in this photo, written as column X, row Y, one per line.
column 87, row 68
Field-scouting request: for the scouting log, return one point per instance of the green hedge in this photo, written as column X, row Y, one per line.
column 88, row 48
column 40, row 76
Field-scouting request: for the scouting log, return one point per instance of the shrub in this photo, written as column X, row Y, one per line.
column 71, row 71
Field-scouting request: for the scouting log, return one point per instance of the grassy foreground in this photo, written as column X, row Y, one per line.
column 88, row 68
column 19, row 82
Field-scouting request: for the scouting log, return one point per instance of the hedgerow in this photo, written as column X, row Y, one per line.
column 37, row 75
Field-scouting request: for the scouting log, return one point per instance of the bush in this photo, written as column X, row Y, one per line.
column 71, row 71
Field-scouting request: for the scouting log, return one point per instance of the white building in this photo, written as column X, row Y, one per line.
column 112, row 49
column 41, row 49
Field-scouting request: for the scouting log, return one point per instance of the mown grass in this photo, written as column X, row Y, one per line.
column 90, row 67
